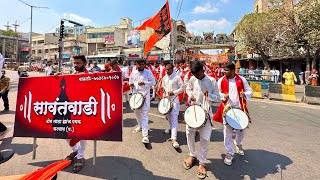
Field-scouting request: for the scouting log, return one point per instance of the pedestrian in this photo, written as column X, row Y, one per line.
column 290, row 77
column 4, row 90
column 314, row 78
column 301, row 77
column 172, row 86
column 141, row 81
column 125, row 76
column 48, row 71
column 78, row 147
column 202, row 91
column 234, row 91
column 95, row 68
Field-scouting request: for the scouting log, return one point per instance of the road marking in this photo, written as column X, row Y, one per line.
column 156, row 115
column 308, row 106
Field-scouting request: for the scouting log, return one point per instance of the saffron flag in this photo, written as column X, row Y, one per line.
column 161, row 23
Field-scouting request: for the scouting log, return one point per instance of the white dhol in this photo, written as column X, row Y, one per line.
column 137, row 101
column 236, row 118
column 165, row 106
column 195, row 116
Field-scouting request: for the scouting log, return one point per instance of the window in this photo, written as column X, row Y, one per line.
column 46, row 51
column 33, row 51
column 39, row 51
column 100, row 35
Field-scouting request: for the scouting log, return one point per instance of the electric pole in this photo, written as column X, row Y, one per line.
column 17, row 45
column 15, row 26
column 7, row 26
column 30, row 41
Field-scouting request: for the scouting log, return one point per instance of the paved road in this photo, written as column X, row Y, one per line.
column 282, row 143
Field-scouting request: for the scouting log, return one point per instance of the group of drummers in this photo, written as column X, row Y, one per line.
column 201, row 86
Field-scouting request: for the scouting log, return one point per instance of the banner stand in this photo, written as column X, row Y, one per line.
column 94, row 151
column 34, row 148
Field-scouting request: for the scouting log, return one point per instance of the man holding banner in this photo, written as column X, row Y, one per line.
column 78, row 147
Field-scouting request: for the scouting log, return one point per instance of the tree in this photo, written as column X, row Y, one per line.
column 309, row 21
column 303, row 30
column 257, row 32
column 9, row 33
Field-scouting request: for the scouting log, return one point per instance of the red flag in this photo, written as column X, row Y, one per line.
column 48, row 172
column 161, row 23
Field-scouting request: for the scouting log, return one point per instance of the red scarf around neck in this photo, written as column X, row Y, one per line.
column 225, row 90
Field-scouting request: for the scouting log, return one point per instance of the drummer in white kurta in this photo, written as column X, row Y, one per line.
column 229, row 87
column 141, row 80
column 202, row 90
column 173, row 86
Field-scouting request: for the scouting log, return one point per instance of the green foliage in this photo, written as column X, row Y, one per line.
column 281, row 32
column 9, row 33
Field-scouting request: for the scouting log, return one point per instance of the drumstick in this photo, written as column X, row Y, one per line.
column 243, row 104
column 195, row 113
column 234, row 114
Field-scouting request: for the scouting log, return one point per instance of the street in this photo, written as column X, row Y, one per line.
column 281, row 143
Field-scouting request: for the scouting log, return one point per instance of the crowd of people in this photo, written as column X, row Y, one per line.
column 196, row 83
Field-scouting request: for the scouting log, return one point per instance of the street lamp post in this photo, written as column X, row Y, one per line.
column 30, row 38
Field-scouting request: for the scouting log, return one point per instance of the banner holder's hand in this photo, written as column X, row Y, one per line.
column 141, row 83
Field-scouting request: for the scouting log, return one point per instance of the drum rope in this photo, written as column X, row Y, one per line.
column 243, row 107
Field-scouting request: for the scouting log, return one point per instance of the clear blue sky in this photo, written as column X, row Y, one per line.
column 199, row 15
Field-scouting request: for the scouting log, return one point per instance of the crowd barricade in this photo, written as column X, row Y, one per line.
column 282, row 92
column 257, row 89
column 312, row 94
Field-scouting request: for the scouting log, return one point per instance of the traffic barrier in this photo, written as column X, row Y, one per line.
column 257, row 89
column 282, row 92
column 312, row 94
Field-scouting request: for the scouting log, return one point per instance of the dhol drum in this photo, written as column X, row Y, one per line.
column 236, row 118
column 165, row 106
column 137, row 101
column 195, row 116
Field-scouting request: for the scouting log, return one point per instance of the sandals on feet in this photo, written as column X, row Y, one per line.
column 71, row 156
column 188, row 165
column 78, row 165
column 202, row 174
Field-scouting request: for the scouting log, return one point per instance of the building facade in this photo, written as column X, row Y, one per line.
column 262, row 6
column 45, row 47
column 110, row 40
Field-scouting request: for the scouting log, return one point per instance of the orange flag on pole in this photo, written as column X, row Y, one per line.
column 48, row 172
column 161, row 23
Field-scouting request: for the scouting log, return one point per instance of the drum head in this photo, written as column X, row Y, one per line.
column 164, row 106
column 136, row 101
column 237, row 119
column 195, row 116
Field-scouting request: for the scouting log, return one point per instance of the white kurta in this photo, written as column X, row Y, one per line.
column 196, row 88
column 148, row 79
column 235, row 103
column 173, row 83
column 233, row 91
column 48, row 70
column 125, row 71
column 142, row 113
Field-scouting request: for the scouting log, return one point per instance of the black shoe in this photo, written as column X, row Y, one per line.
column 5, row 110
